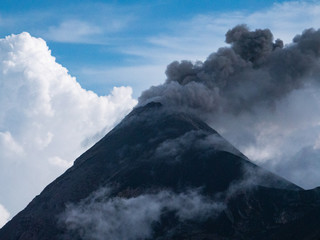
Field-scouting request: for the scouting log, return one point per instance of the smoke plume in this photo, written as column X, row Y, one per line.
column 260, row 94
column 254, row 71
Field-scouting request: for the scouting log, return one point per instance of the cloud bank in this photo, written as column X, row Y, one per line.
column 99, row 217
column 46, row 118
column 258, row 93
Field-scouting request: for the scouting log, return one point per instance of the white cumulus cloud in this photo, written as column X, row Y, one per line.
column 45, row 118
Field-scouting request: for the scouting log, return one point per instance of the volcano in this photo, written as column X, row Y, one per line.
column 167, row 175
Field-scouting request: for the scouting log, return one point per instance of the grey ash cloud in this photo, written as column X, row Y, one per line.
column 258, row 93
column 254, row 71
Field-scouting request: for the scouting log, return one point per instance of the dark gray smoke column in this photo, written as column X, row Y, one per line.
column 260, row 95
column 254, row 71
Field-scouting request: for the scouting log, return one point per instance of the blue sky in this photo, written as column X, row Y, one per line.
column 98, row 41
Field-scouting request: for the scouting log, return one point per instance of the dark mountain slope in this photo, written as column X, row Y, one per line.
column 153, row 151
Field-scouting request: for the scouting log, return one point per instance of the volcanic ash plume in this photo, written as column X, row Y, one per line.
column 258, row 93
column 254, row 71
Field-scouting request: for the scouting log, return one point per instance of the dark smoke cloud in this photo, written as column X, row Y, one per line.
column 258, row 93
column 254, row 71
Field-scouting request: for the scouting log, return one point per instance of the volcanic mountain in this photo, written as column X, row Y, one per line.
column 167, row 175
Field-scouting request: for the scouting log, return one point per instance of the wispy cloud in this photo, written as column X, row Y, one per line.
column 101, row 30
column 71, row 24
column 73, row 31
column 197, row 37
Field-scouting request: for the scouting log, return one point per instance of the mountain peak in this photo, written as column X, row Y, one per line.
column 167, row 158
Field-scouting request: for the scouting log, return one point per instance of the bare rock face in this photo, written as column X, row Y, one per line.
column 164, row 175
